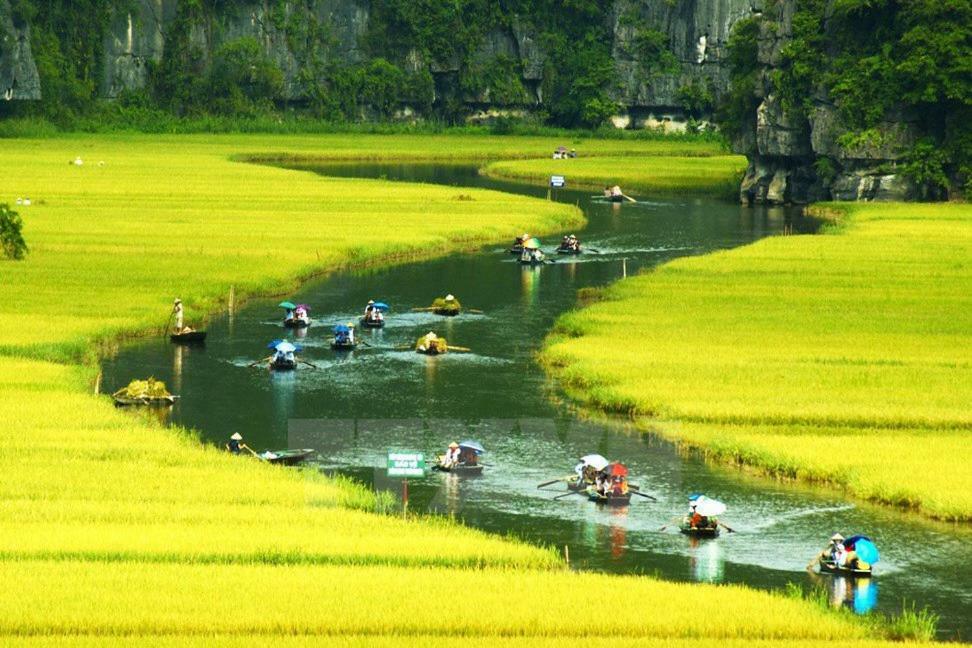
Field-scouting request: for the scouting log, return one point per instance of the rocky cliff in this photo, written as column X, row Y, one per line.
column 801, row 159
column 18, row 73
column 697, row 31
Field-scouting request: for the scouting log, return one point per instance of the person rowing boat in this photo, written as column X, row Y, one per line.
column 178, row 313
column 569, row 245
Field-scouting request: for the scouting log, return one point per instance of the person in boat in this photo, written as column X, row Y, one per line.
column 451, row 456
column 236, row 445
column 370, row 309
column 696, row 519
column 428, row 341
column 832, row 550
column 351, row 332
column 179, row 314
column 616, row 192
column 283, row 357
column 573, row 153
column 468, row 457
column 299, row 313
column 850, row 560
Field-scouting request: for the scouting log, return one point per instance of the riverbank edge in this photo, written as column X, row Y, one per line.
column 835, row 219
column 725, row 188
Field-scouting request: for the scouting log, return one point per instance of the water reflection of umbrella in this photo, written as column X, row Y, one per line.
column 532, row 244
column 382, row 306
column 475, row 446
column 595, row 460
column 709, row 507
column 288, row 305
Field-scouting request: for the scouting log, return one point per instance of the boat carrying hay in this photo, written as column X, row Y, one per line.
column 144, row 392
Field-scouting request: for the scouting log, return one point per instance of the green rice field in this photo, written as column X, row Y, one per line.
column 114, row 528
column 844, row 357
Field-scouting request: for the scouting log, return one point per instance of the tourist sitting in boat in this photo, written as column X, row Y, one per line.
column 849, row 559
column 531, row 256
column 832, row 550
column 428, row 341
column 236, row 445
column 283, row 356
column 468, row 456
column 451, row 456
column 177, row 311
column 300, row 312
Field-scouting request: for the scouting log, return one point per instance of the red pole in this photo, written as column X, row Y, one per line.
column 405, row 497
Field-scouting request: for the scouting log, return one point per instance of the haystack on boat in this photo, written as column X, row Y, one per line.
column 144, row 392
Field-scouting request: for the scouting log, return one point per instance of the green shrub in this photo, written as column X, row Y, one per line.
column 11, row 240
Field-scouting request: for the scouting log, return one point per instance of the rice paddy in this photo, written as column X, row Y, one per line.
column 712, row 174
column 115, row 528
column 843, row 357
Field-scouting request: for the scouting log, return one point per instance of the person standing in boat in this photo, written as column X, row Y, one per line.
column 369, row 313
column 179, row 314
column 236, row 445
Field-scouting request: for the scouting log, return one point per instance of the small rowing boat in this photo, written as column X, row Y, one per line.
column 831, row 567
column 296, row 323
column 343, row 345
column 287, row 457
column 463, row 470
column 189, row 337
column 709, row 531
column 150, row 392
column 612, row 499
column 567, row 250
column 153, row 401
column 283, row 365
column 371, row 323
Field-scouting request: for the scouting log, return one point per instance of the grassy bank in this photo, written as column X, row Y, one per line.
column 702, row 172
column 844, row 357
column 112, row 527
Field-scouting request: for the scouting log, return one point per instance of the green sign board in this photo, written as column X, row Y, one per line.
column 406, row 464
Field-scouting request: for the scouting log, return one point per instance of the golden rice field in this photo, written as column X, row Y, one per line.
column 112, row 528
column 844, row 357
column 700, row 174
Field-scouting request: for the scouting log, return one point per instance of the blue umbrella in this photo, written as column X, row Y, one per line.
column 867, row 551
column 273, row 344
column 382, row 306
column 287, row 305
column 475, row 446
column 341, row 328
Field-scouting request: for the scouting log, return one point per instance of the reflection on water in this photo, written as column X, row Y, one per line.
column 499, row 395
column 708, row 565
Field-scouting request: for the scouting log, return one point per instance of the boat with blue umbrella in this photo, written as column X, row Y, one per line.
column 344, row 339
column 462, row 459
column 374, row 316
column 284, row 357
column 855, row 556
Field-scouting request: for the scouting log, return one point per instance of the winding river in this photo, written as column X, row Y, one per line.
column 356, row 406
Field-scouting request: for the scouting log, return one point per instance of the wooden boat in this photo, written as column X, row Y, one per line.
column 367, row 323
column 287, row 457
column 345, row 345
column 283, row 365
column 463, row 470
column 296, row 323
column 447, row 312
column 830, row 567
column 563, row 250
column 155, row 401
column 608, row 500
column 578, row 484
column 190, row 337
column 533, row 262
column 711, row 531
column 516, row 249
column 616, row 199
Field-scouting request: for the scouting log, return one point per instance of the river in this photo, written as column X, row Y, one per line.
column 356, row 406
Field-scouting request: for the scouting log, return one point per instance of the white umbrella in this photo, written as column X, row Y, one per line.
column 709, row 507
column 595, row 460
column 286, row 347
